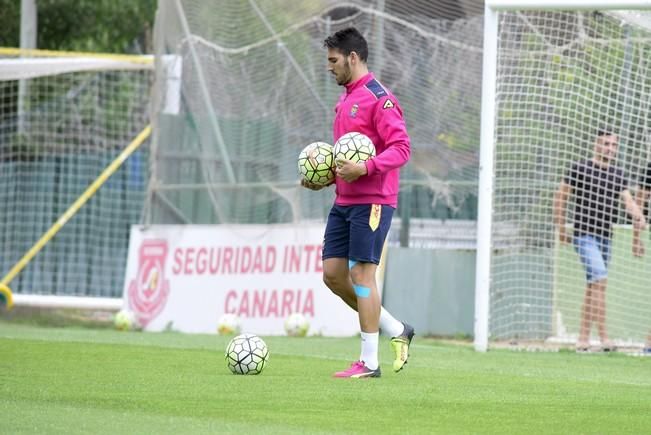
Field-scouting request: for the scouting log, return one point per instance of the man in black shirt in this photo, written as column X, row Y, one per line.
column 597, row 187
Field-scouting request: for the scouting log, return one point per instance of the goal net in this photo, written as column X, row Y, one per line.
column 64, row 117
column 247, row 87
column 562, row 76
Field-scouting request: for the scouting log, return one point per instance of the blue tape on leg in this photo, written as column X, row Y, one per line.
column 351, row 264
column 361, row 291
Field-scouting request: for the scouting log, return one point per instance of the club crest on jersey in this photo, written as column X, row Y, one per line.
column 354, row 110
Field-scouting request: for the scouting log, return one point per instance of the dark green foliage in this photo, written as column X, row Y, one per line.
column 110, row 26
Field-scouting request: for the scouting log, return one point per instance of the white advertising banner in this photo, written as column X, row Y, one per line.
column 185, row 277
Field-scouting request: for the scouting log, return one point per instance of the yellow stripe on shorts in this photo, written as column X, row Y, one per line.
column 374, row 218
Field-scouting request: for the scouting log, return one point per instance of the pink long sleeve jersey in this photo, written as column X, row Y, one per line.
column 368, row 107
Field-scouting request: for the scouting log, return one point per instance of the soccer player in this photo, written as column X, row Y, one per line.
column 598, row 187
column 642, row 200
column 366, row 196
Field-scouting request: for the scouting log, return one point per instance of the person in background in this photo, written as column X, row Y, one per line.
column 597, row 187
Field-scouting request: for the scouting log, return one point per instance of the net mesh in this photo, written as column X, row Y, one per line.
column 59, row 129
column 253, row 90
column 562, row 76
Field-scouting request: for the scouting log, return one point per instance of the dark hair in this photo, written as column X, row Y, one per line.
column 604, row 132
column 346, row 41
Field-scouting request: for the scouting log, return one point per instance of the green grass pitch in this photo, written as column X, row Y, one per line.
column 69, row 381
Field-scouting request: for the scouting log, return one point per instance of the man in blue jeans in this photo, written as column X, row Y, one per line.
column 597, row 187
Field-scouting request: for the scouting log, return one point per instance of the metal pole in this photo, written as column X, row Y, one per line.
column 486, row 176
column 28, row 32
column 5, row 291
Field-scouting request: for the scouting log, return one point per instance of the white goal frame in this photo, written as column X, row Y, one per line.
column 487, row 138
column 21, row 64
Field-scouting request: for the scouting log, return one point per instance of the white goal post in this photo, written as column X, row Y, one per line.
column 69, row 120
column 548, row 75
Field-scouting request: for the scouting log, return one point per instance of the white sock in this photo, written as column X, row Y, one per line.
column 369, row 349
column 389, row 325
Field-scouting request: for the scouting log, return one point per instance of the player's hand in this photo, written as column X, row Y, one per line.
column 313, row 186
column 638, row 247
column 639, row 223
column 563, row 236
column 350, row 171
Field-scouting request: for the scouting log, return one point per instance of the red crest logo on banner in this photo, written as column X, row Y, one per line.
column 149, row 290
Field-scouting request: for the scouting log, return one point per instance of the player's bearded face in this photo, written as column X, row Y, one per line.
column 339, row 66
column 344, row 74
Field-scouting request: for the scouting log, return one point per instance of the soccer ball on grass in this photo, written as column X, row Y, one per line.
column 229, row 324
column 316, row 164
column 247, row 354
column 125, row 320
column 296, row 325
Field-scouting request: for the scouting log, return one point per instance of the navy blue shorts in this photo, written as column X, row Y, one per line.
column 350, row 232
